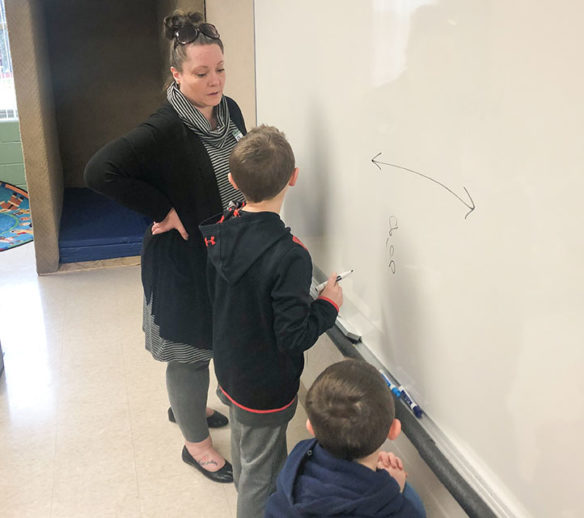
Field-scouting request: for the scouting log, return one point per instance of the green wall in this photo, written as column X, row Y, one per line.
column 11, row 160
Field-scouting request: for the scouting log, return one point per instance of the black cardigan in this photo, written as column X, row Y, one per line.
column 159, row 165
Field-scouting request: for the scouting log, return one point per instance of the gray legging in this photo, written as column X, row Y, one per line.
column 187, row 385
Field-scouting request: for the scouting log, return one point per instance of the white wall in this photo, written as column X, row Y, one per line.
column 234, row 20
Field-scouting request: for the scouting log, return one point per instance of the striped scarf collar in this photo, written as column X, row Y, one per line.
column 196, row 121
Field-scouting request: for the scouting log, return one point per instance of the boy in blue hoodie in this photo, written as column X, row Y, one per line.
column 264, row 319
column 343, row 472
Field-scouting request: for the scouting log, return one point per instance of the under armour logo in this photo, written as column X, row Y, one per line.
column 210, row 241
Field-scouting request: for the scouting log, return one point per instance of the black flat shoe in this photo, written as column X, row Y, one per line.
column 215, row 420
column 224, row 475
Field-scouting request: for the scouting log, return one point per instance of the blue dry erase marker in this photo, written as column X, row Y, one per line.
column 410, row 402
column 391, row 386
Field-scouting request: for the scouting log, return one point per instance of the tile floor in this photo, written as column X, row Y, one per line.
column 83, row 428
column 83, row 406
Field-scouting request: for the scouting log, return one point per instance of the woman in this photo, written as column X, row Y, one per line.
column 174, row 168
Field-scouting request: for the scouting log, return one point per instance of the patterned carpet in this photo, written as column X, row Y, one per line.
column 15, row 224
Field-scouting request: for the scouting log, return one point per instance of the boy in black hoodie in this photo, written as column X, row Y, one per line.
column 263, row 316
column 343, row 472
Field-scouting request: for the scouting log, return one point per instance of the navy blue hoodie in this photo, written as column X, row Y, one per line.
column 264, row 319
column 314, row 483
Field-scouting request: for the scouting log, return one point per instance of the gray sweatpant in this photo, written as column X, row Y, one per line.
column 187, row 385
column 258, row 454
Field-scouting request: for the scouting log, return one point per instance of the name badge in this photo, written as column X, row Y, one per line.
column 237, row 134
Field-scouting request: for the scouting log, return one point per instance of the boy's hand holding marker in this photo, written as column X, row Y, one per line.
column 334, row 276
column 332, row 290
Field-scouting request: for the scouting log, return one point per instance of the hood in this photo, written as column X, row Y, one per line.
column 236, row 239
column 316, row 483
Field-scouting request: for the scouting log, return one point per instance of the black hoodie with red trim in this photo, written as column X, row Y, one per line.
column 264, row 319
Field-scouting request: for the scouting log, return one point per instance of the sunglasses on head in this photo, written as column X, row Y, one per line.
column 189, row 33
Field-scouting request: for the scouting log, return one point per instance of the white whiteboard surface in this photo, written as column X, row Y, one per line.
column 483, row 318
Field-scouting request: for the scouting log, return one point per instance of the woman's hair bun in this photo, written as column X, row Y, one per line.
column 179, row 19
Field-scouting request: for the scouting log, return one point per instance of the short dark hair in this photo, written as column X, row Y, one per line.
column 350, row 408
column 262, row 163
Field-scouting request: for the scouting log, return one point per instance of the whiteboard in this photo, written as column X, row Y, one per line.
column 479, row 312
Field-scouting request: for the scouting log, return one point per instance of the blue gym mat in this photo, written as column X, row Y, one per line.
column 94, row 227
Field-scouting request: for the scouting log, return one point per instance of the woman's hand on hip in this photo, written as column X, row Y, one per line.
column 170, row 222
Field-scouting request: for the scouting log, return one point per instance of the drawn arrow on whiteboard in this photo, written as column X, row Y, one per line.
column 470, row 206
